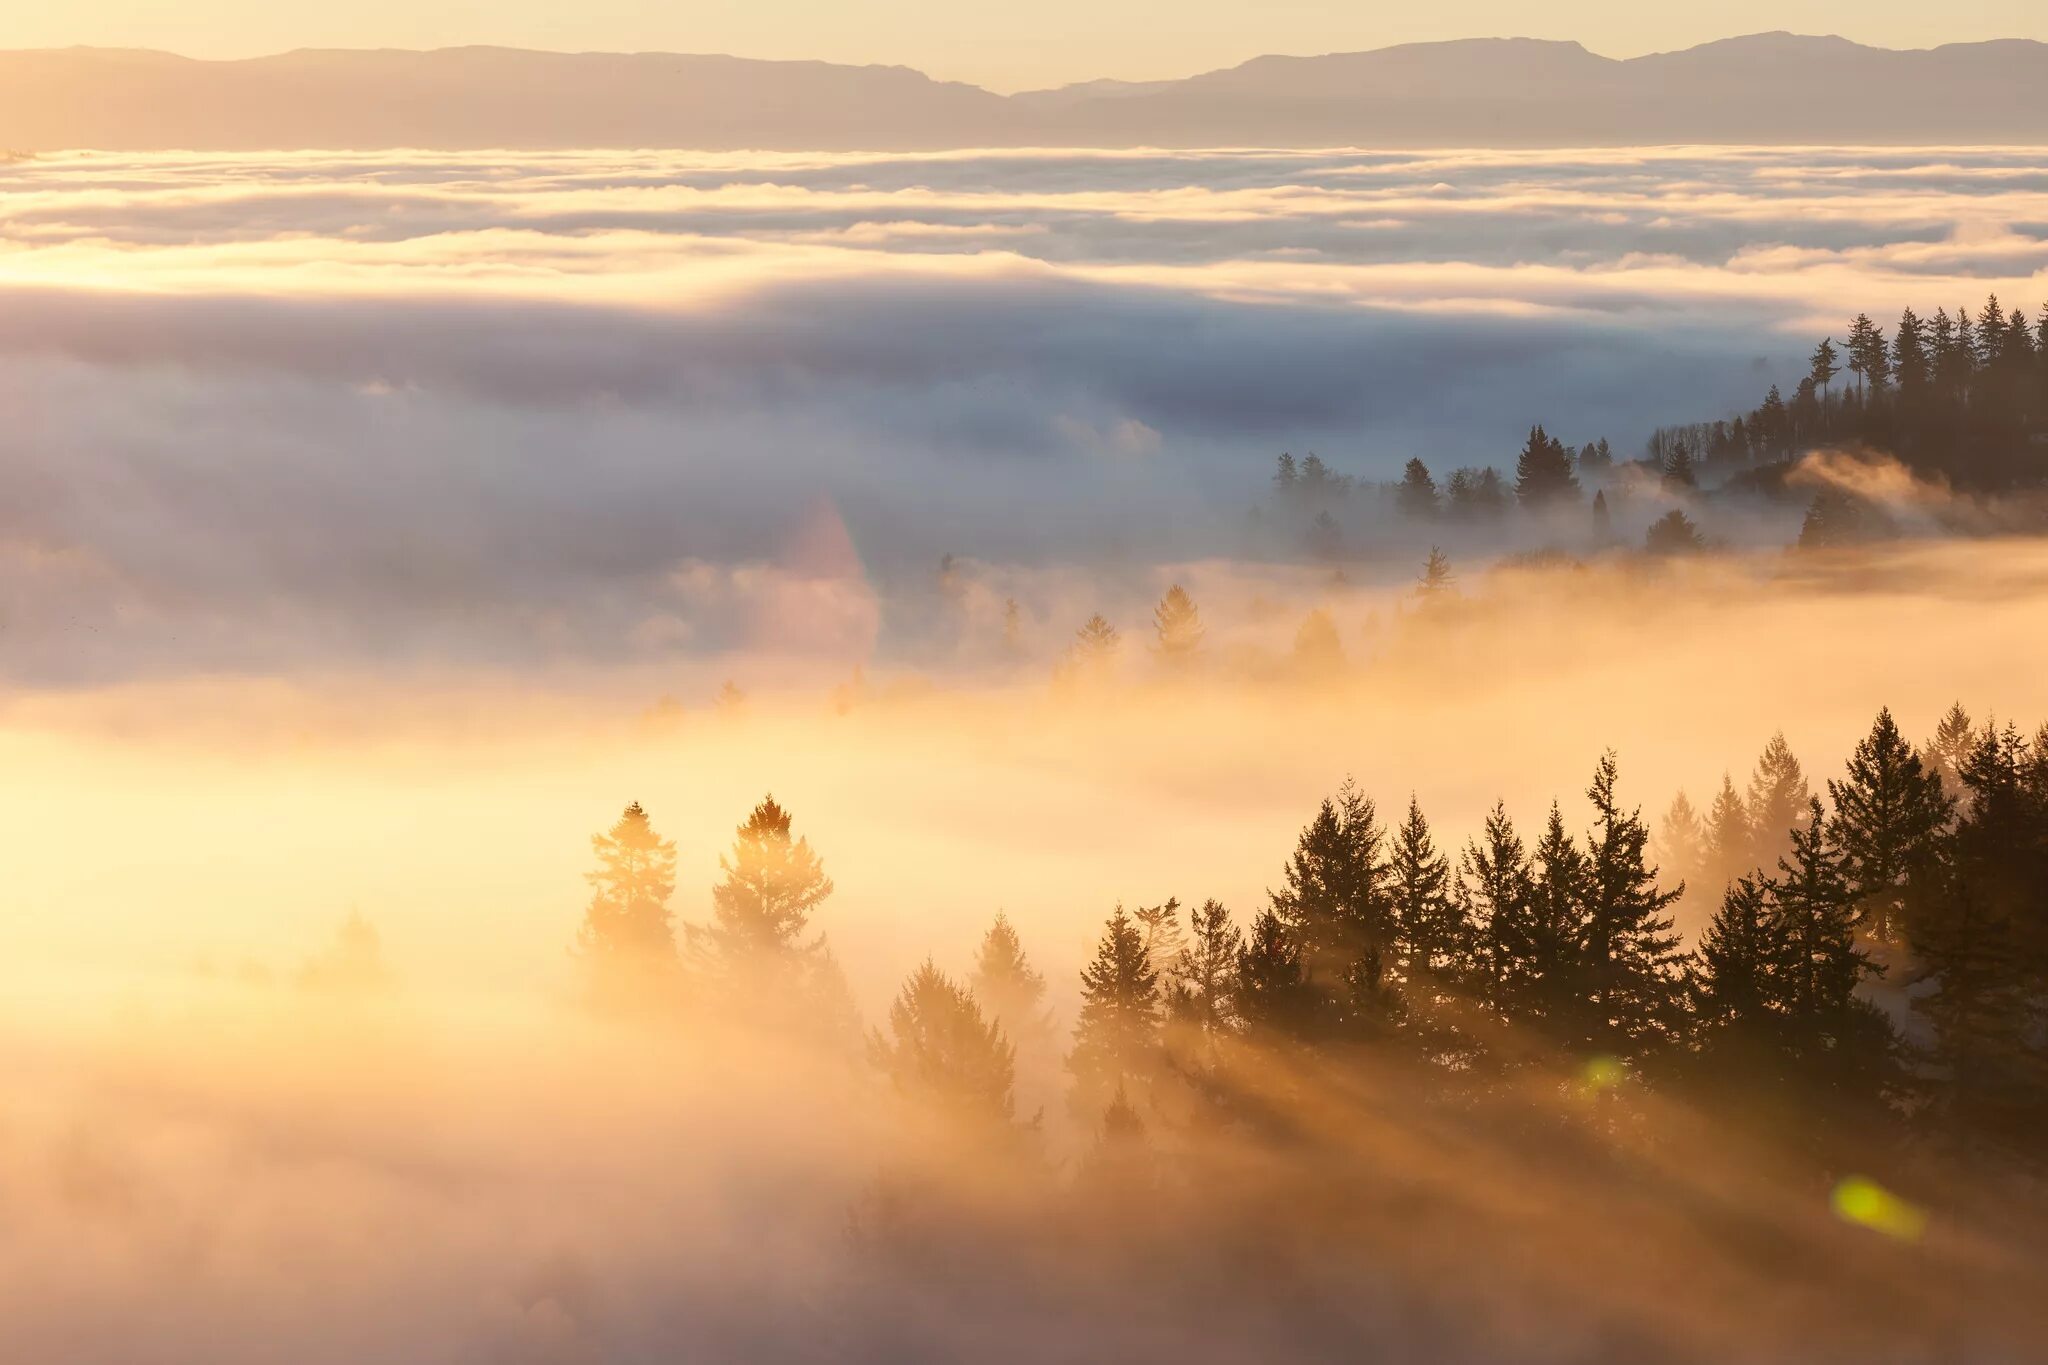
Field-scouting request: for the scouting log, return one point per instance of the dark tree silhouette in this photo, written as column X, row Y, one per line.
column 1117, row 1036
column 1543, row 472
column 1673, row 534
column 1889, row 815
column 1632, row 953
column 1417, row 495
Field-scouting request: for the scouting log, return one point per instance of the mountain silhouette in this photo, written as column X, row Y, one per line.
column 1766, row 88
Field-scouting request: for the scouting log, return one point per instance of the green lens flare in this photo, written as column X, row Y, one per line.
column 1860, row 1200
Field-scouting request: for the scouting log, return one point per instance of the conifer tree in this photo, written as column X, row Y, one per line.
column 1009, row 987
column 1778, row 797
column 1271, row 991
column 1495, row 886
column 1417, row 495
column 1116, row 1038
column 758, row 946
column 1730, row 839
column 1437, row 580
column 1538, row 953
column 627, row 940
column 1679, row 474
column 1952, row 741
column 1429, row 921
column 1682, row 841
column 1673, row 534
column 1632, row 955
column 1603, row 523
column 1095, row 648
column 1204, row 973
column 1737, row 981
column 940, row 1051
column 1889, row 815
column 1822, row 369
column 1334, row 904
column 1178, row 625
column 1543, row 472
column 1159, row 929
column 1836, row 1041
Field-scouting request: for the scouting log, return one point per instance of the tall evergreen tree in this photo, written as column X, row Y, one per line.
column 1159, row 929
column 1202, row 992
column 1952, row 742
column 1778, row 797
column 940, row 1051
column 1632, row 956
column 1836, row 1041
column 1417, row 495
column 1731, row 842
column 758, row 946
column 1821, row 369
column 1682, row 841
column 1095, row 648
column 1334, row 903
column 1538, row 952
column 1009, row 987
column 1117, row 1036
column 1889, row 815
column 1271, row 990
column 627, row 940
column 1736, row 983
column 1543, row 472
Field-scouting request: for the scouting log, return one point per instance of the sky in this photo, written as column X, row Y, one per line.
column 1000, row 46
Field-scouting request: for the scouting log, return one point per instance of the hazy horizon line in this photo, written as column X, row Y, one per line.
column 1003, row 89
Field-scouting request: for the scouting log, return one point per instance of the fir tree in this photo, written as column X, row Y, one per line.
column 628, row 940
column 1417, row 495
column 1437, row 580
column 1889, row 815
column 1730, row 838
column 1096, row 645
column 1682, row 841
column 1679, row 474
column 1318, row 649
column 1334, row 902
column 1538, row 953
column 1271, row 991
column 1005, row 982
column 1778, row 797
column 1116, row 1037
column 1835, row 1041
column 1178, row 625
column 1204, row 973
column 1632, row 953
column 1952, row 741
column 1543, row 472
column 1673, row 534
column 1736, row 984
column 1159, row 929
column 758, row 945
column 940, row 1051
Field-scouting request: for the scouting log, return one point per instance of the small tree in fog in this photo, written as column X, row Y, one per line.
column 1116, row 1037
column 1436, row 580
column 1682, row 840
column 1673, row 534
column 1095, row 648
column 940, row 1050
column 1730, row 840
column 1178, row 625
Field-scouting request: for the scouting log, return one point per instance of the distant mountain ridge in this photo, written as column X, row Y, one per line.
column 1768, row 88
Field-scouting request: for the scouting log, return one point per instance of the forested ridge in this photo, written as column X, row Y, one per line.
column 1538, row 949
column 1959, row 400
